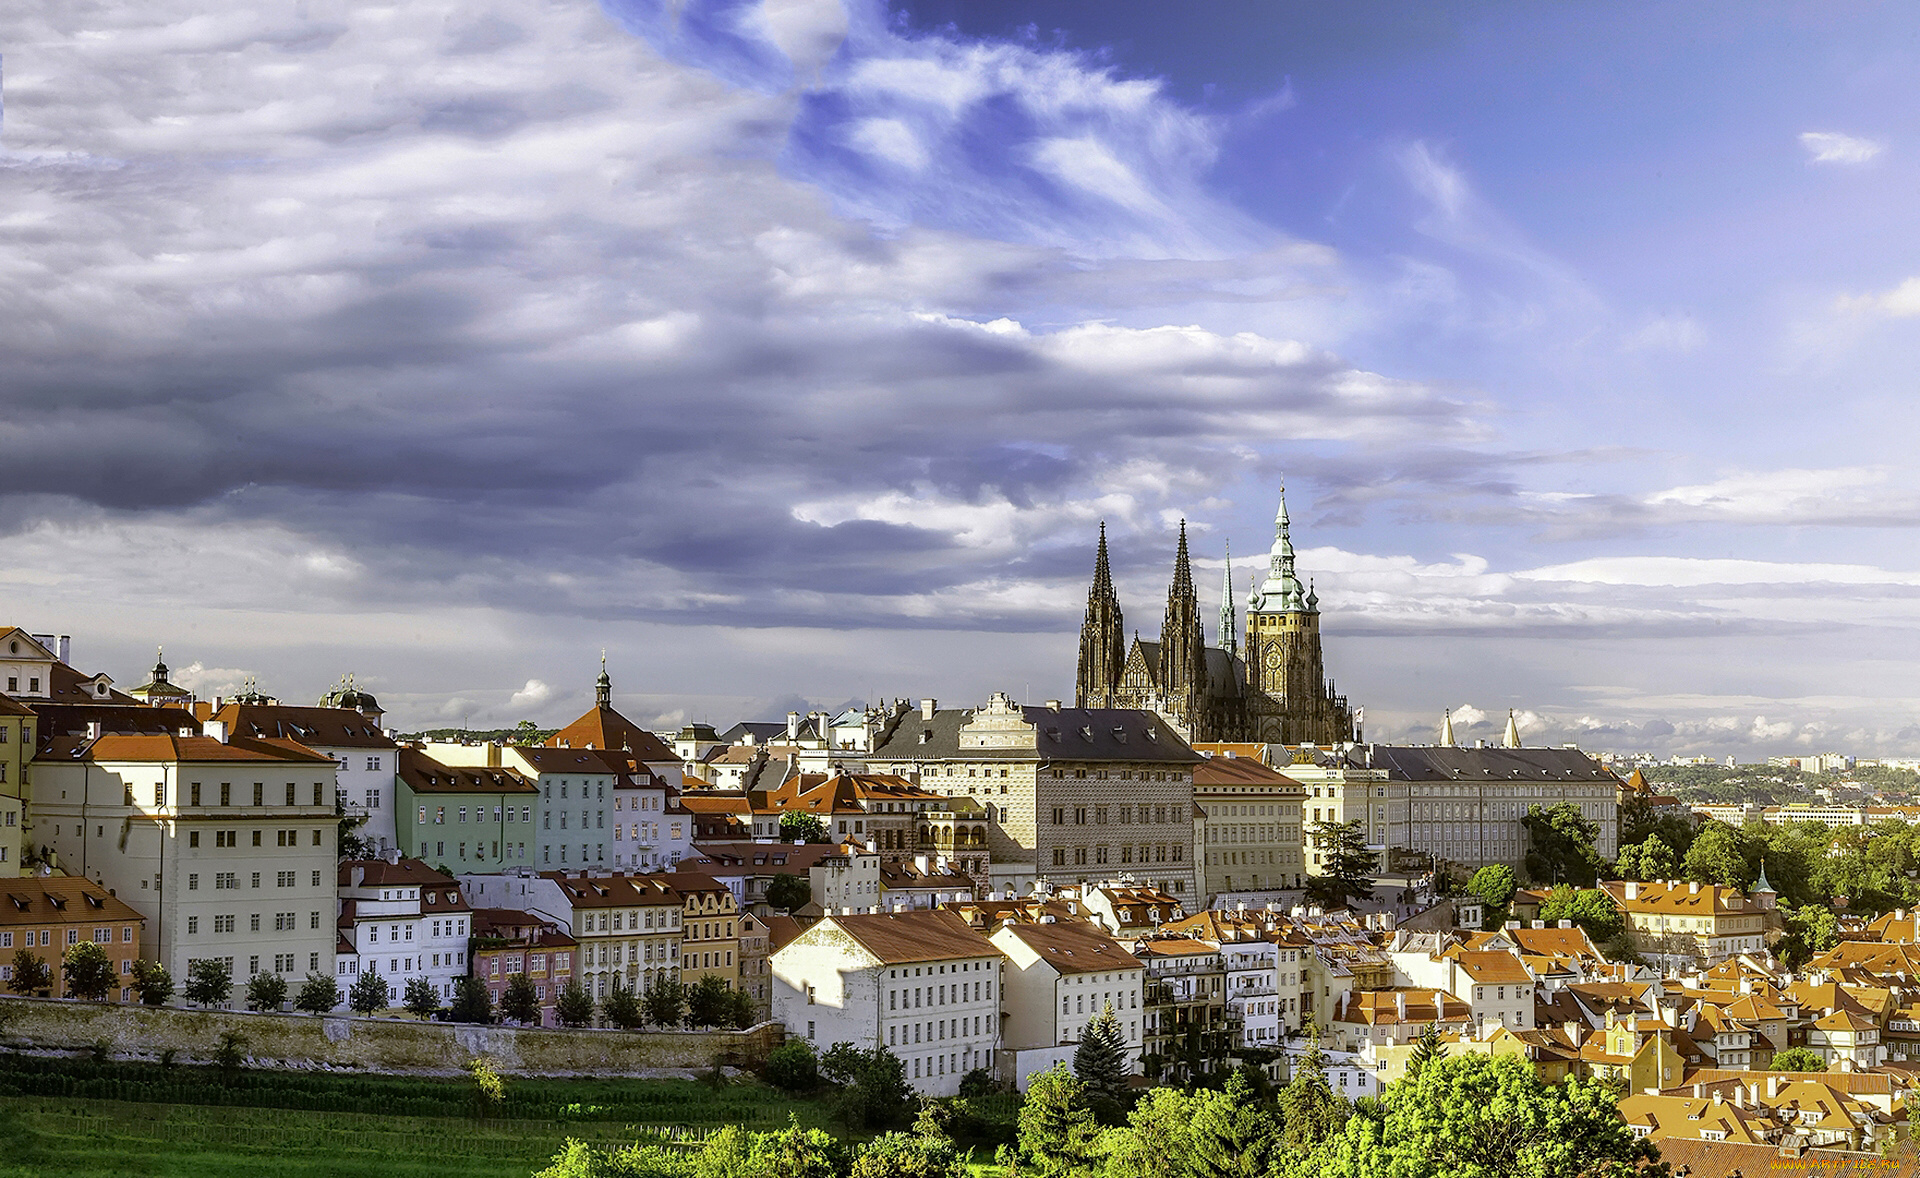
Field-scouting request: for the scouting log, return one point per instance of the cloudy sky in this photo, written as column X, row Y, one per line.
column 793, row 351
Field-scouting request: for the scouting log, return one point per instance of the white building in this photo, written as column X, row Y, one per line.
column 1494, row 983
column 921, row 984
column 226, row 847
column 364, row 758
column 405, row 921
column 1059, row 976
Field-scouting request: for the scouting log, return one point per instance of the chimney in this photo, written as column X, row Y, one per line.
column 928, row 706
column 1774, row 1085
column 1439, row 1006
column 1633, row 889
column 93, row 730
column 793, row 727
column 65, row 649
column 1576, row 1031
column 1053, row 705
column 359, row 875
column 1693, row 887
column 1739, row 1095
column 1400, row 1004
column 493, row 754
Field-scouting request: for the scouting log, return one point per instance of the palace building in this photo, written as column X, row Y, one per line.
column 1269, row 686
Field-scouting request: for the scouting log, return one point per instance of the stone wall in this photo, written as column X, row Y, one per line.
column 394, row 1046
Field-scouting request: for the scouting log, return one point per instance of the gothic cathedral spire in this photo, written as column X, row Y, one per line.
column 1229, row 641
column 1183, row 658
column 1102, row 638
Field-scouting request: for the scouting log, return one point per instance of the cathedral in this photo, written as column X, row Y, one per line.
column 1277, row 692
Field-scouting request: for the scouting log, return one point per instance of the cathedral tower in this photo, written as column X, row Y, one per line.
column 1291, row 701
column 1102, row 639
column 1183, row 658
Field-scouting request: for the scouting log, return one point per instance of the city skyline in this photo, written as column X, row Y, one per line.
column 794, row 353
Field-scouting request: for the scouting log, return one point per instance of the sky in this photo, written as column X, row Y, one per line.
column 791, row 352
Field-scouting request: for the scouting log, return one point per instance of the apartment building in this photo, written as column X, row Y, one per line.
column 468, row 818
column 1184, row 1028
column 1069, row 794
column 1248, row 823
column 16, row 750
column 628, row 928
column 1691, row 924
column 921, row 984
column 402, row 920
column 47, row 914
column 507, row 942
column 1059, row 975
column 364, row 757
column 709, row 929
column 226, row 847
column 574, row 806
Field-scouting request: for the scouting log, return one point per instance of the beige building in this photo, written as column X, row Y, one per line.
column 56, row 911
column 1071, row 795
column 1340, row 792
column 16, row 750
column 1687, row 923
column 1059, row 976
column 227, row 848
column 1248, row 822
column 709, row 929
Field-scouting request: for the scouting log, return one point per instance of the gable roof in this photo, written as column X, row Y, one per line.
column 60, row 899
column 1074, row 946
column 320, row 727
column 1068, row 734
column 424, row 775
column 902, row 938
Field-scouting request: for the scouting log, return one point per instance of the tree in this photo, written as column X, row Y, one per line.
column 574, row 1006
column 1798, row 1059
column 369, row 993
column 1478, row 1116
column 152, row 982
column 1233, row 1135
column 209, row 981
column 1589, row 908
column 665, row 1001
column 31, row 975
column 318, row 994
column 1156, row 1139
column 266, row 991
column 800, row 825
column 1100, row 1062
column 1310, row 1109
column 791, row 1067
column 875, row 1093
column 1560, row 845
column 1426, row 1049
column 89, row 975
column 1346, row 865
column 1494, row 886
column 1811, row 930
column 707, row 1002
column 1057, row 1137
column 1719, row 855
column 521, row 1002
column 740, row 1009
column 1652, row 859
column 789, row 892
column 622, row 1008
column 471, row 1002
column 421, row 1000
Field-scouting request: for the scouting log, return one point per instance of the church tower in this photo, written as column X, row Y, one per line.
column 1102, row 639
column 1183, row 657
column 1291, row 701
column 1229, row 641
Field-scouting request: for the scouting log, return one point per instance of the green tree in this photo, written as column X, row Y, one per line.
column 1589, row 908
column 622, row 1008
column 31, row 975
column 1720, row 855
column 420, row 999
column 1494, row 886
column 471, row 1002
column 1100, row 1061
column 1346, row 865
column 926, row 1152
column 1156, row 1139
column 1310, row 1109
column 1652, row 859
column 791, row 1067
column 707, row 1002
column 740, row 1010
column 1811, row 930
column 318, row 994
column 789, row 892
column 1233, row 1134
column 1426, row 1049
column 574, row 1006
column 521, row 1002
column 1798, row 1059
column 152, row 982
column 266, row 991
column 209, row 981
column 665, row 1001
column 1058, row 1137
column 877, row 1095
column 1560, row 845
column 369, row 993
column 89, row 975
column 802, row 826
column 1478, row 1116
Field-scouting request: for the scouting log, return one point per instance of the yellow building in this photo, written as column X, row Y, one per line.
column 1688, row 923
column 16, row 749
column 709, row 929
column 1636, row 1050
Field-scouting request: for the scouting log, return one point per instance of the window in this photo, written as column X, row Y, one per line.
column 256, row 838
column 259, row 793
column 193, row 883
column 193, row 838
column 193, row 930
column 373, row 764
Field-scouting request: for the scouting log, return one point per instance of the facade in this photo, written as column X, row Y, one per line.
column 1248, row 825
column 842, row 877
column 921, row 984
column 625, row 929
column 226, row 847
column 48, row 913
column 1494, row 983
column 709, row 929
column 469, row 818
column 27, row 662
column 364, row 757
column 574, row 808
column 1340, row 791
column 1273, row 688
column 1058, row 976
column 1691, row 924
column 16, row 750
column 1184, row 1032
column 1070, row 794
column 508, row 942
column 402, row 920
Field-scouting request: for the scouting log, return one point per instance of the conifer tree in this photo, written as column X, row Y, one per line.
column 1232, row 1135
column 1426, row 1049
column 1100, row 1062
column 1058, row 1137
column 1312, row 1112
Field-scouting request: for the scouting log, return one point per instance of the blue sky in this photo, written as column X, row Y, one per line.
column 792, row 350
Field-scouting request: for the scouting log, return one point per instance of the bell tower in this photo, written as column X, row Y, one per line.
column 1103, row 655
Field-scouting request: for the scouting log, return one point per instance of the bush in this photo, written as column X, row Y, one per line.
column 231, row 1054
column 791, row 1067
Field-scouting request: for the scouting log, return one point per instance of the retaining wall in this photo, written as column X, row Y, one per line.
column 397, row 1046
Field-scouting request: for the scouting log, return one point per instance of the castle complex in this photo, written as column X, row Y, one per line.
column 1276, row 692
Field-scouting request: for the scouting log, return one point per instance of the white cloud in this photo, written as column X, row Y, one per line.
column 1902, row 302
column 1831, row 147
column 532, row 695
